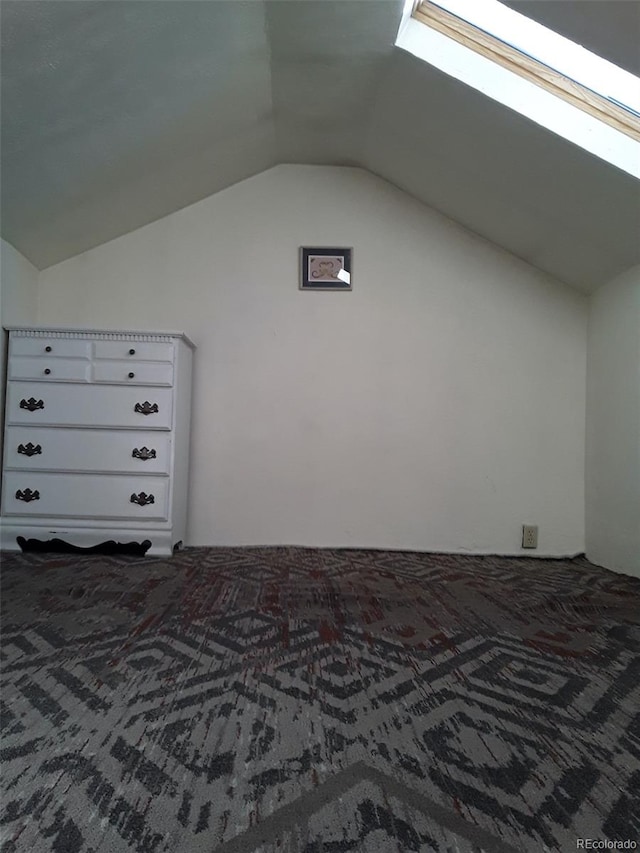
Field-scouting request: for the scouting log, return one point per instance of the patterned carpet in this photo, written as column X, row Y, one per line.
column 291, row 699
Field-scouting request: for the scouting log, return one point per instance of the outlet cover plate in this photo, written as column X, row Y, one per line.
column 529, row 535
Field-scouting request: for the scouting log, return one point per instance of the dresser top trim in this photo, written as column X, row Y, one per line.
column 97, row 334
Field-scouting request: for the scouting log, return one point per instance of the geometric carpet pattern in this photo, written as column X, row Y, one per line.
column 297, row 700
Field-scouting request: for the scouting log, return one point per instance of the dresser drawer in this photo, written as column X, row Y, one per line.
column 138, row 350
column 37, row 403
column 95, row 450
column 50, row 347
column 133, row 373
column 49, row 369
column 85, row 495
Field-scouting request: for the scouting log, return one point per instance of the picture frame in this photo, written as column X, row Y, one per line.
column 325, row 268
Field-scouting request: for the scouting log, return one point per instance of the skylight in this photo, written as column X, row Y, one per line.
column 531, row 69
column 551, row 49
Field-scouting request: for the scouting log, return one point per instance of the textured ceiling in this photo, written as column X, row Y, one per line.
column 115, row 113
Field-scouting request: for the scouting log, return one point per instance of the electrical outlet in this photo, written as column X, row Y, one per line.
column 529, row 535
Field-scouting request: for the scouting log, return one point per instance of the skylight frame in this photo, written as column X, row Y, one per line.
column 515, row 60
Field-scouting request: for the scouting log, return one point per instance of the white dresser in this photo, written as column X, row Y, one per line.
column 96, row 441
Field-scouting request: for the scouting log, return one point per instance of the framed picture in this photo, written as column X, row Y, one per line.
column 325, row 269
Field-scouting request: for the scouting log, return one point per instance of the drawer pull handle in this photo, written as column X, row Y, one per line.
column 143, row 453
column 131, row 375
column 46, row 371
column 30, row 449
column 146, row 408
column 142, row 499
column 28, row 495
column 32, row 404
column 47, row 349
column 132, row 352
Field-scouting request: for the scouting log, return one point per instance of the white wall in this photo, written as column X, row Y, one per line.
column 18, row 289
column 18, row 286
column 438, row 406
column 18, row 303
column 613, row 425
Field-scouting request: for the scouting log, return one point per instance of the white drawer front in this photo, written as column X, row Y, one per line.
column 133, row 373
column 59, row 369
column 88, row 405
column 138, row 350
column 115, row 451
column 85, row 495
column 50, row 347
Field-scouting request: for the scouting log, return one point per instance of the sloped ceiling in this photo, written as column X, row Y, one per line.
column 115, row 113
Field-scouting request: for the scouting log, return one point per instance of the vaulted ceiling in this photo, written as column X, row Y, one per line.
column 117, row 112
